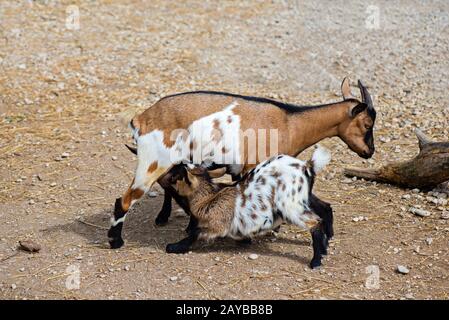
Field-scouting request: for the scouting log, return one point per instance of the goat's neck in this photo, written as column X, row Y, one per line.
column 309, row 127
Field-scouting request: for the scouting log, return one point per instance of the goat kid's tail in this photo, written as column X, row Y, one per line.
column 320, row 158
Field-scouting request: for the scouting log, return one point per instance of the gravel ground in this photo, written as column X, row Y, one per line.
column 64, row 91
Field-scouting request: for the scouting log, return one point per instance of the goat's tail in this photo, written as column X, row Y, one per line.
column 320, row 158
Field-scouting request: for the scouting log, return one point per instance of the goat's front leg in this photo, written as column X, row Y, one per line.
column 121, row 208
column 185, row 244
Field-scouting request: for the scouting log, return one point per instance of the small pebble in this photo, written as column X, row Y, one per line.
column 253, row 256
column 174, row 278
column 152, row 194
column 429, row 241
column 419, row 212
column 402, row 269
column 29, row 246
column 114, row 158
column 65, row 155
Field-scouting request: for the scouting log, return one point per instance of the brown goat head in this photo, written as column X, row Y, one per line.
column 357, row 130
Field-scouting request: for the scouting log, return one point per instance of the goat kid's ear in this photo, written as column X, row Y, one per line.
column 217, row 173
column 346, row 89
column 358, row 109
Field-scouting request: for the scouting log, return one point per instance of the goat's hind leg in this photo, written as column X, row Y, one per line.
column 318, row 243
column 324, row 211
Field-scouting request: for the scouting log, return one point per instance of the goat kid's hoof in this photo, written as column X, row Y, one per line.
column 116, row 243
column 315, row 264
column 244, row 242
column 176, row 248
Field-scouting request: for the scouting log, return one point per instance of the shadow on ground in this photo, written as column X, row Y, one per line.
column 140, row 231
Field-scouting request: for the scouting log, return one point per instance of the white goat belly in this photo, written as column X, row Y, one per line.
column 212, row 139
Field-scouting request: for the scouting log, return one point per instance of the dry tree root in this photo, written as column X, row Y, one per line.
column 428, row 169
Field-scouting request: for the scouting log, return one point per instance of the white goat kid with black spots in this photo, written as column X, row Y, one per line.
column 277, row 190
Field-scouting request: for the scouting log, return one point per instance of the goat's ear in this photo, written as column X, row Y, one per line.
column 357, row 109
column 346, row 89
column 217, row 173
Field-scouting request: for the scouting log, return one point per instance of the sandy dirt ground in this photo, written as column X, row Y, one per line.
column 63, row 93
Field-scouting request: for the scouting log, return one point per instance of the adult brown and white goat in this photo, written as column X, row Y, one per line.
column 275, row 191
column 178, row 127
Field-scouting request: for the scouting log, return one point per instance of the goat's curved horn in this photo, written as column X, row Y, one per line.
column 132, row 149
column 366, row 97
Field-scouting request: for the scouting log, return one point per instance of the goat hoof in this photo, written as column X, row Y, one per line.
column 160, row 221
column 315, row 263
column 116, row 243
column 176, row 248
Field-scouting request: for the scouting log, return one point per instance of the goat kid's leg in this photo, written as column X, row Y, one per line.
column 121, row 208
column 193, row 224
column 184, row 204
column 185, row 244
column 164, row 214
column 318, row 246
column 324, row 210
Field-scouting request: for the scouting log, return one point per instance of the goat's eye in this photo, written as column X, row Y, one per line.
column 367, row 127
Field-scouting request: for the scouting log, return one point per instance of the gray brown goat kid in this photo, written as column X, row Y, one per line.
column 277, row 190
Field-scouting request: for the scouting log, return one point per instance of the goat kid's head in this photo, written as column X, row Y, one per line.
column 186, row 179
column 357, row 130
